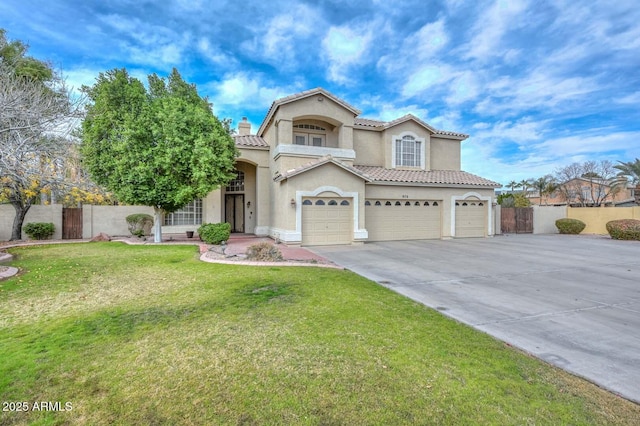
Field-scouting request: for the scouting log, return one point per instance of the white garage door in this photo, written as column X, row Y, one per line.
column 389, row 220
column 471, row 219
column 327, row 221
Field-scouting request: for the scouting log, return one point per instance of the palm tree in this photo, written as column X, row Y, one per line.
column 524, row 184
column 631, row 169
column 541, row 184
column 513, row 185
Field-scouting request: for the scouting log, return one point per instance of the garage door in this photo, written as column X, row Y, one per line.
column 327, row 221
column 389, row 220
column 471, row 219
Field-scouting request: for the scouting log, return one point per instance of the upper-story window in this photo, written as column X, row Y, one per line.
column 309, row 134
column 408, row 152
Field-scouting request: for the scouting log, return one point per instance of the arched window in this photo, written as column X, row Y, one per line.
column 319, row 203
column 309, row 134
column 344, row 203
column 366, row 203
column 378, row 203
column 307, row 203
column 408, row 151
column 333, row 203
column 388, row 203
column 426, row 203
column 398, row 203
column 408, row 203
column 237, row 184
column 417, row 203
column 435, row 204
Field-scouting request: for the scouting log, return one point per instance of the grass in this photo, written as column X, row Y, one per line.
column 150, row 335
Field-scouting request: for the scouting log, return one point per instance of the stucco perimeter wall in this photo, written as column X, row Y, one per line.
column 47, row 214
column 596, row 218
column 108, row 219
column 544, row 218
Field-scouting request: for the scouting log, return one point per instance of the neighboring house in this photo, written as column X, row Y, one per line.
column 587, row 192
column 316, row 173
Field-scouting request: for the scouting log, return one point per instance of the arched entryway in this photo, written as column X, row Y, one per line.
column 239, row 207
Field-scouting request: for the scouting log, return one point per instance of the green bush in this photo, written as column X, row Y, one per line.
column 39, row 230
column 214, row 233
column 624, row 229
column 264, row 252
column 140, row 224
column 570, row 226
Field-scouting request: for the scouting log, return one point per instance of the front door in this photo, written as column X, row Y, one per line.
column 234, row 211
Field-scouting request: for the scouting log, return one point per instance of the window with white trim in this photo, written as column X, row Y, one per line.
column 191, row 214
column 408, row 152
column 309, row 134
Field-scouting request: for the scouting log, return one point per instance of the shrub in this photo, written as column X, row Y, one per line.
column 214, row 233
column 39, row 230
column 624, row 229
column 264, row 252
column 140, row 224
column 570, row 226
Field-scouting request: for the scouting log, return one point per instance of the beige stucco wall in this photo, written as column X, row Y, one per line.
column 109, row 219
column 38, row 213
column 445, row 154
column 544, row 218
column 329, row 177
column 369, row 147
column 596, row 218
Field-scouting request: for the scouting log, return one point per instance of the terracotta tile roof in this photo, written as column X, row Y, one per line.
column 443, row 177
column 250, row 141
column 316, row 163
column 381, row 125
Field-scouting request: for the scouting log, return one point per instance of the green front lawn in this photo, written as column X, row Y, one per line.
column 151, row 335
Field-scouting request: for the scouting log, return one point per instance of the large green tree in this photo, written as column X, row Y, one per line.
column 158, row 146
column 36, row 116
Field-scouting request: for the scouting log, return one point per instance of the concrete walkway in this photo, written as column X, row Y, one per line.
column 571, row 300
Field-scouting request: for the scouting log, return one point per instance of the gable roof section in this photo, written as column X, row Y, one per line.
column 431, row 177
column 317, row 163
column 383, row 125
column 250, row 141
column 307, row 93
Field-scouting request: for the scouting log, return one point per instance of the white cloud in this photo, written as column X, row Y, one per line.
column 425, row 77
column 344, row 47
column 491, row 27
column 150, row 44
column 214, row 54
column 277, row 40
column 246, row 90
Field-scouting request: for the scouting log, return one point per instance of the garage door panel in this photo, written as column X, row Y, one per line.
column 410, row 220
column 471, row 219
column 327, row 221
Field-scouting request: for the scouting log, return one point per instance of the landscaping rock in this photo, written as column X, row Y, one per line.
column 101, row 237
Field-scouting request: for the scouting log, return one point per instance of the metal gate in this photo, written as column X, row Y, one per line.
column 71, row 224
column 516, row 220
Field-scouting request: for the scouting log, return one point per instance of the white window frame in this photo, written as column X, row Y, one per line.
column 190, row 214
column 396, row 156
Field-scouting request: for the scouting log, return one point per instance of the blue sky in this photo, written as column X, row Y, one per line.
column 536, row 84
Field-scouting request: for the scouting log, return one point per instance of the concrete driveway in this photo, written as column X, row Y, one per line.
column 573, row 301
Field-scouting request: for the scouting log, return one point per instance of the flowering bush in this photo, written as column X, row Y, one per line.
column 570, row 226
column 624, row 229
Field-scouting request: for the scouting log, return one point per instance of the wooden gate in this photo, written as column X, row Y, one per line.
column 71, row 224
column 516, row 220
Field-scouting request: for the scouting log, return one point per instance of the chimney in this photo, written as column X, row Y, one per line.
column 244, row 128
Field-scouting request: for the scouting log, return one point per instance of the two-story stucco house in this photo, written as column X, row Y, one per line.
column 316, row 173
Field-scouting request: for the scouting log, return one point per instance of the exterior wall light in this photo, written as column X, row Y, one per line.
column 293, row 202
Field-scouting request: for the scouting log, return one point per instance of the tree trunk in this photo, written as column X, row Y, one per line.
column 157, row 225
column 18, row 220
